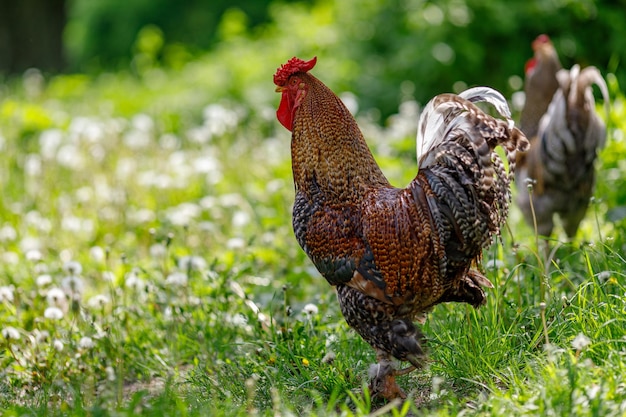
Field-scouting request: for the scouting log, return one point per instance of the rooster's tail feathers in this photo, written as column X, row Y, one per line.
column 450, row 117
column 454, row 133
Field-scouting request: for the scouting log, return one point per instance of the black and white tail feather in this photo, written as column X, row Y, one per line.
column 452, row 130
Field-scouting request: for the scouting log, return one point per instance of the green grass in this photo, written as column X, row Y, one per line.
column 163, row 218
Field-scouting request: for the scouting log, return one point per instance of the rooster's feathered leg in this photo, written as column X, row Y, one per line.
column 389, row 332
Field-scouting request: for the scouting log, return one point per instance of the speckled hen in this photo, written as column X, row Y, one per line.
column 560, row 120
column 394, row 253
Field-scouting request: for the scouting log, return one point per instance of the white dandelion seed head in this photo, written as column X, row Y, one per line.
column 239, row 320
column 240, row 219
column 40, row 336
column 56, row 297
column 494, row 264
column 108, row 276
column 132, row 281
column 329, row 358
column 593, row 391
column 86, row 342
column 310, row 309
column 10, row 333
column 73, row 285
column 72, row 268
column 6, row 293
column 58, row 345
column 7, row 233
column 98, row 301
column 53, row 313
column 195, row 263
column 43, row 280
column 158, row 251
column 30, row 243
column 10, row 258
column 97, row 253
column 331, row 339
column 176, row 279
column 236, row 243
column 183, row 214
column 110, row 372
column 34, row 255
column 580, row 342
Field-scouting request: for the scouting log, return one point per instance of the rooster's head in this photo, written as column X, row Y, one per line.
column 292, row 88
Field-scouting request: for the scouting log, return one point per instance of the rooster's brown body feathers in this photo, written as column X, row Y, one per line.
column 394, row 253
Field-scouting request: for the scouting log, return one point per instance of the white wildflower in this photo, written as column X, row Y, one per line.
column 43, row 280
column 56, row 297
column 86, row 342
column 331, row 339
column 53, row 313
column 108, row 276
column 73, row 268
column 196, row 263
column 7, row 233
column 183, row 214
column 97, row 253
column 176, row 279
column 41, row 335
column 240, row 219
column 236, row 243
column 310, row 309
column 98, row 301
column 34, row 255
column 593, row 391
column 132, row 281
column 110, row 372
column 58, row 345
column 30, row 243
column 158, row 251
column 73, row 285
column 329, row 358
column 580, row 342
column 49, row 142
column 70, row 157
column 239, row 320
column 10, row 333
column 494, row 264
column 6, row 293
column 10, row 258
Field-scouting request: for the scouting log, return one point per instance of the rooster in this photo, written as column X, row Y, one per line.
column 394, row 253
column 565, row 133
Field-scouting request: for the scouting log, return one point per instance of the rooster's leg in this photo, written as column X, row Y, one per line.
column 390, row 333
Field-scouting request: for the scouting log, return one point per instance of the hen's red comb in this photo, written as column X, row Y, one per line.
column 540, row 40
column 291, row 67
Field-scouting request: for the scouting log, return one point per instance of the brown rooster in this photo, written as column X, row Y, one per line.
column 565, row 133
column 394, row 253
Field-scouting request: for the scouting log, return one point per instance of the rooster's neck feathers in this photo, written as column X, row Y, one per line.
column 328, row 149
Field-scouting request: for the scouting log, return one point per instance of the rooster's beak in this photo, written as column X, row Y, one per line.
column 280, row 89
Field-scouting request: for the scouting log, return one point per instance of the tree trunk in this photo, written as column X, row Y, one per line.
column 31, row 35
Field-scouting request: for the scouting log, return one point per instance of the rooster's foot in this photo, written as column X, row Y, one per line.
column 383, row 380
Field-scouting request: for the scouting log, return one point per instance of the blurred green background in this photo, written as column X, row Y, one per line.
column 386, row 50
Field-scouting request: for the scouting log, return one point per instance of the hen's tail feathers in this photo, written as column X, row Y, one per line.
column 571, row 121
column 452, row 130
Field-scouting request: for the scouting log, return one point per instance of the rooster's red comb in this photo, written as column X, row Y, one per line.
column 291, row 67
